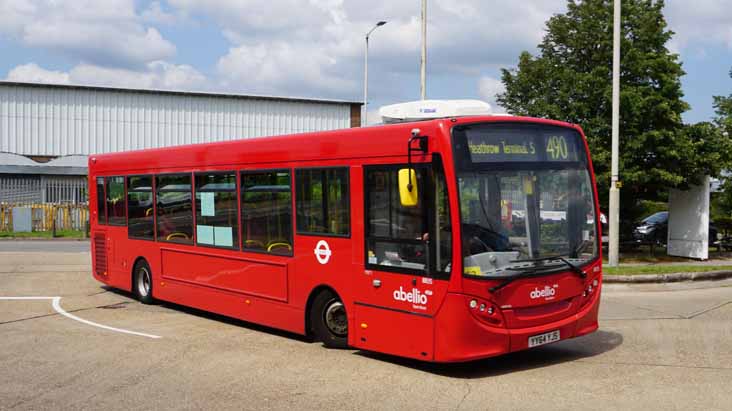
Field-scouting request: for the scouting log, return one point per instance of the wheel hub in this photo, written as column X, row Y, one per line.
column 335, row 318
column 143, row 282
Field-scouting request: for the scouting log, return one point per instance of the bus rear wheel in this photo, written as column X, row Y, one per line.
column 142, row 284
column 329, row 321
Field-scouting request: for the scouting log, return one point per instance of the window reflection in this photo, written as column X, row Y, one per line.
column 216, row 210
column 174, row 211
column 140, row 219
column 267, row 211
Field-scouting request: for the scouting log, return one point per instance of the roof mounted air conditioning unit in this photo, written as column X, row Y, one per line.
column 431, row 109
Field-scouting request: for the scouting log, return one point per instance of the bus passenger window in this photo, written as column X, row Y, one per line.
column 140, row 217
column 174, row 211
column 216, row 210
column 266, row 204
column 116, row 213
column 323, row 201
column 101, row 202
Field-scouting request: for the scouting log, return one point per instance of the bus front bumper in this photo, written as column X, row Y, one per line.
column 460, row 337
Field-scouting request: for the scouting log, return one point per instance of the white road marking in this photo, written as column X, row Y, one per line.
column 56, row 302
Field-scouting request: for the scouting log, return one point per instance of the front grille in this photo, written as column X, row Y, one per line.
column 545, row 309
column 100, row 254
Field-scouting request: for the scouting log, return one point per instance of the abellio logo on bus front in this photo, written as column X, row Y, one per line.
column 546, row 293
column 416, row 297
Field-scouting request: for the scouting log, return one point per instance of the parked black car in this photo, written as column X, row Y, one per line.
column 654, row 230
column 626, row 232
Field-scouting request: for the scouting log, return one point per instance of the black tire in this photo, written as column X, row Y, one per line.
column 328, row 320
column 142, row 284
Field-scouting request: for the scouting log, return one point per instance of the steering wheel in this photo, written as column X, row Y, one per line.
column 489, row 239
column 476, row 240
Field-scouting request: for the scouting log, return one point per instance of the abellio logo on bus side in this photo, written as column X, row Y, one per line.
column 416, row 297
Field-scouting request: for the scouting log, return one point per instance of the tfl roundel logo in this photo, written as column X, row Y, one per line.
column 322, row 252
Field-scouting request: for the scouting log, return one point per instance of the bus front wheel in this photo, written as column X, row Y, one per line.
column 142, row 284
column 329, row 321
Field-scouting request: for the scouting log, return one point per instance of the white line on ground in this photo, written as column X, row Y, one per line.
column 56, row 302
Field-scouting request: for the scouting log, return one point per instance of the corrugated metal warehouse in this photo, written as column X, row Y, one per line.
column 46, row 131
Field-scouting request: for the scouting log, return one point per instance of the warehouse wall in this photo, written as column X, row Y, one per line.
column 58, row 120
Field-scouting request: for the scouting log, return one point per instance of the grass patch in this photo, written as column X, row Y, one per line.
column 662, row 269
column 642, row 255
column 43, row 234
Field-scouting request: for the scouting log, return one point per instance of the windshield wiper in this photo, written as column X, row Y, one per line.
column 523, row 270
column 572, row 267
column 509, row 280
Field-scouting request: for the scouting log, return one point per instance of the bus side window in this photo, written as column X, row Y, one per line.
column 140, row 217
column 323, row 201
column 116, row 210
column 174, row 209
column 266, row 217
column 101, row 202
column 217, row 221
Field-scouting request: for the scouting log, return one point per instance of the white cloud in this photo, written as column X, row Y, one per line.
column 156, row 75
column 96, row 32
column 700, row 24
column 316, row 46
column 311, row 47
column 280, row 68
column 488, row 88
column 32, row 73
column 154, row 13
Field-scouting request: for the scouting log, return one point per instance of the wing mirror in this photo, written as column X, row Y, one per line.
column 408, row 192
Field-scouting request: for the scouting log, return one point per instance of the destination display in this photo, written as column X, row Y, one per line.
column 522, row 144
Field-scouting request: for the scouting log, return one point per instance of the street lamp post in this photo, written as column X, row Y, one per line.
column 614, row 240
column 423, row 60
column 366, row 76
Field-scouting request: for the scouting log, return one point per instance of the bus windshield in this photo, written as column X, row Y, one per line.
column 525, row 194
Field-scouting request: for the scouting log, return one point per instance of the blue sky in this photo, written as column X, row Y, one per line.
column 314, row 48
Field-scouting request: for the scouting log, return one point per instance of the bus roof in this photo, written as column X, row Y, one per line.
column 378, row 141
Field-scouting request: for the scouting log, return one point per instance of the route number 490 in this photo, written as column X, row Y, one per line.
column 556, row 147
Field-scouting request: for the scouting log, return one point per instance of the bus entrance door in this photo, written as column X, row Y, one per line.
column 394, row 313
column 397, row 295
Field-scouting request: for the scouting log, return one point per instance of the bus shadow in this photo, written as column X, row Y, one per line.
column 587, row 346
column 216, row 317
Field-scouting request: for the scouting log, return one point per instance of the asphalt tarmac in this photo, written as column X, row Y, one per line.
column 658, row 347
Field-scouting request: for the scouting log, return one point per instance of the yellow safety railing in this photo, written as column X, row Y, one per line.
column 66, row 216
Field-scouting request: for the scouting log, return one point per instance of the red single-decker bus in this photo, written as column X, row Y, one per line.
column 444, row 240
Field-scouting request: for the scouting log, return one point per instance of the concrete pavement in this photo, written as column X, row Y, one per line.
column 665, row 346
column 52, row 246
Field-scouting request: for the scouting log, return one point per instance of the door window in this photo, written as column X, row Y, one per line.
column 396, row 235
column 415, row 240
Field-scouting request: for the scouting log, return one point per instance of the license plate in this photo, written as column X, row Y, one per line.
column 545, row 338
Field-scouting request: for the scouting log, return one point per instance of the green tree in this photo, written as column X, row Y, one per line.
column 571, row 80
column 723, row 108
column 722, row 201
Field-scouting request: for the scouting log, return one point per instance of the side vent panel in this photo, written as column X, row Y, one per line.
column 100, row 254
